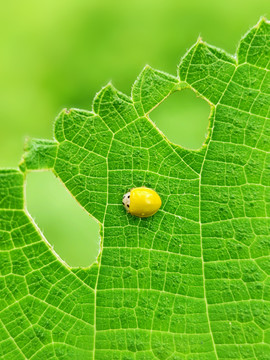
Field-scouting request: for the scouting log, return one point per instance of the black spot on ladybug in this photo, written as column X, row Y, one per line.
column 128, row 196
column 127, row 205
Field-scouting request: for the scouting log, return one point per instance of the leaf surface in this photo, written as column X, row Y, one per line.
column 191, row 282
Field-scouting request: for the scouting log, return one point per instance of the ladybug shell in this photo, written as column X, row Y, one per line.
column 144, row 202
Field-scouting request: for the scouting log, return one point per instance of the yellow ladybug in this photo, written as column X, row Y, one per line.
column 141, row 202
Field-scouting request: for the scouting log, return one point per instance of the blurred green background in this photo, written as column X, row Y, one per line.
column 59, row 53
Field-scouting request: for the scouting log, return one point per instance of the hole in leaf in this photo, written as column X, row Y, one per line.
column 68, row 228
column 183, row 118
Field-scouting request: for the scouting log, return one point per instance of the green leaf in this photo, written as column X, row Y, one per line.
column 191, row 282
